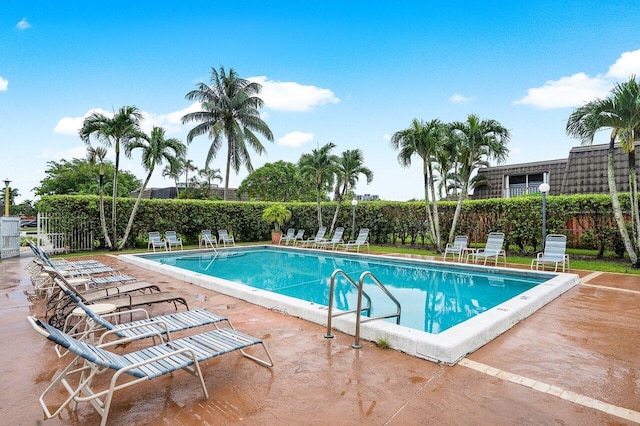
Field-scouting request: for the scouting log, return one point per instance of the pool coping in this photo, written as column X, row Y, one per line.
column 448, row 346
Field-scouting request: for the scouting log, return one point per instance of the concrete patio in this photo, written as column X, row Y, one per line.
column 576, row 361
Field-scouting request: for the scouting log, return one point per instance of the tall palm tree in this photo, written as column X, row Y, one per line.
column 480, row 141
column 230, row 109
column 424, row 140
column 117, row 131
column 349, row 167
column 156, row 149
column 620, row 112
column 210, row 174
column 319, row 166
column 97, row 155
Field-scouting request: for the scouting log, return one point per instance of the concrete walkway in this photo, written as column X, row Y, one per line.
column 576, row 361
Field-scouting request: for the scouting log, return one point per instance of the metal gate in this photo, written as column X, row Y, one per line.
column 60, row 234
column 9, row 236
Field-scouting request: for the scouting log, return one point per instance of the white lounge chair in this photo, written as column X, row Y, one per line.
column 207, row 239
column 333, row 242
column 555, row 252
column 361, row 240
column 493, row 249
column 299, row 237
column 288, row 236
column 457, row 248
column 134, row 367
column 156, row 241
column 319, row 237
column 172, row 240
column 225, row 238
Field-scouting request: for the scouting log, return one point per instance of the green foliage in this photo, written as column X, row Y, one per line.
column 279, row 181
column 383, row 342
column 80, row 177
column 390, row 222
column 276, row 214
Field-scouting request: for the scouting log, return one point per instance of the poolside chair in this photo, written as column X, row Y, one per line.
column 555, row 252
column 135, row 367
column 493, row 249
column 288, row 236
column 225, row 238
column 172, row 240
column 299, row 237
column 317, row 238
column 156, row 241
column 58, row 312
column 361, row 240
column 207, row 239
column 457, row 248
column 335, row 240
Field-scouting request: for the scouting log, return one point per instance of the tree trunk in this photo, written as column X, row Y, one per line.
column 103, row 219
column 226, row 174
column 319, row 206
column 633, row 196
column 335, row 215
column 432, row 230
column 114, row 231
column 436, row 218
column 134, row 211
column 615, row 202
column 456, row 214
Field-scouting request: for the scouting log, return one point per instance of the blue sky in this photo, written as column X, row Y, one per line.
column 347, row 72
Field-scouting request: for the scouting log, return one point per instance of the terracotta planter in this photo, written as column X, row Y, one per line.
column 275, row 237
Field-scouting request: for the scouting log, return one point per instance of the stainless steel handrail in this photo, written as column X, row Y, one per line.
column 332, row 285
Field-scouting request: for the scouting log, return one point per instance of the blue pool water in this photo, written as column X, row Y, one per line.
column 433, row 297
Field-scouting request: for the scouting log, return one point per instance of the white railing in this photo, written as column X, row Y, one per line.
column 58, row 234
column 9, row 236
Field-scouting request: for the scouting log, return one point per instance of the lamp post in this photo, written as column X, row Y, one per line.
column 354, row 203
column 6, row 196
column 544, row 188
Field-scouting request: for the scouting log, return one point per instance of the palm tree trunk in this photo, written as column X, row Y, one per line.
column 633, row 195
column 436, row 218
column 134, row 211
column 226, row 175
column 432, row 230
column 456, row 214
column 115, row 196
column 319, row 205
column 103, row 219
column 335, row 215
column 615, row 202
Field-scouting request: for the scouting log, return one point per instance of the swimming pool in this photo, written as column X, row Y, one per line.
column 448, row 310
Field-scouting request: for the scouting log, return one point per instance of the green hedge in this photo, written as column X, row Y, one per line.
column 390, row 222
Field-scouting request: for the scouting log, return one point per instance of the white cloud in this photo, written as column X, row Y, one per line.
column 171, row 122
column 580, row 88
column 292, row 96
column 627, row 64
column 295, row 139
column 387, row 136
column 567, row 92
column 71, row 125
column 23, row 24
column 457, row 98
column 4, row 84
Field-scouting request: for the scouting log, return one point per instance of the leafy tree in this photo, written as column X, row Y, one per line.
column 349, row 167
column 173, row 171
column 117, row 131
column 620, row 111
column 230, row 108
column 188, row 166
column 80, row 177
column 279, row 181
column 319, row 167
column 423, row 139
column 210, row 174
column 156, row 149
column 479, row 141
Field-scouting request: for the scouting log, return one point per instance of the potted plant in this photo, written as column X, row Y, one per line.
column 276, row 214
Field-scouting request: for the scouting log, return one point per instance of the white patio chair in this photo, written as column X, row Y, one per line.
column 555, row 252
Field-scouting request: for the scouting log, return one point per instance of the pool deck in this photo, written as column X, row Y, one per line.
column 576, row 361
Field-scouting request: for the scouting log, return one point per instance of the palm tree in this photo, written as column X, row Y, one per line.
column 155, row 150
column 230, row 109
column 423, row 139
column 97, row 155
column 348, row 169
column 188, row 166
column 319, row 166
column 119, row 131
column 173, row 171
column 210, row 174
column 480, row 141
column 620, row 112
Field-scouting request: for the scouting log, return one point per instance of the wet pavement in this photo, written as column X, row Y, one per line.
column 576, row 362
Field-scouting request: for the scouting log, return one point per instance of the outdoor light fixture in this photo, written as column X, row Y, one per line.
column 354, row 203
column 544, row 188
column 6, row 196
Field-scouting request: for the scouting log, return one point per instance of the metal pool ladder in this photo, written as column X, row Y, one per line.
column 359, row 309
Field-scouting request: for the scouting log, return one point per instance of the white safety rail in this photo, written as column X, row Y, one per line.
column 9, row 236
